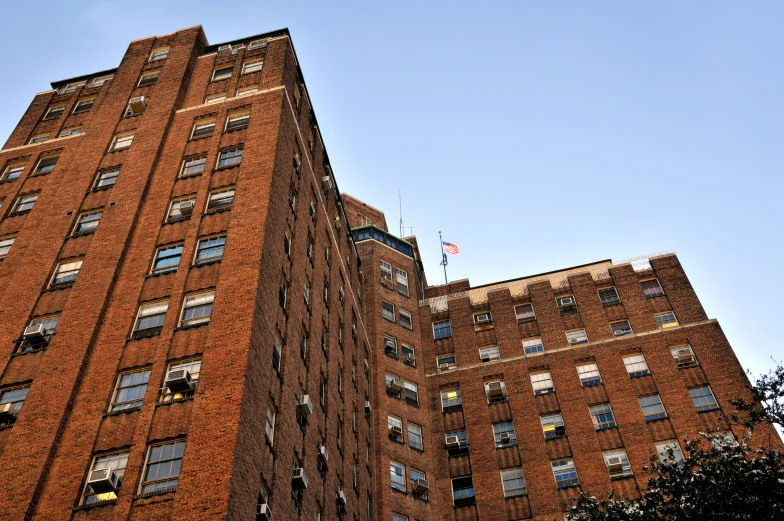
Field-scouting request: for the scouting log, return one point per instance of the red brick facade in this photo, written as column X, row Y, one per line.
column 215, row 240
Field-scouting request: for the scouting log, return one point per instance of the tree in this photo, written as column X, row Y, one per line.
column 718, row 478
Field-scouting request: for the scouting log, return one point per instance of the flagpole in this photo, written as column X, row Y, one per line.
column 443, row 256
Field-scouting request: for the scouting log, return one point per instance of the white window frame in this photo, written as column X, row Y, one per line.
column 577, row 334
column 539, row 384
column 179, row 201
column 100, row 81
column 626, row 469
column 202, row 319
column 190, row 162
column 247, row 91
column 636, row 365
column 533, row 342
column 160, row 53
column 216, row 77
column 58, row 108
column 87, row 491
column 269, row 422
column 237, row 116
column 676, row 358
column 219, row 195
column 81, row 102
column 122, row 138
column 5, row 245
column 143, row 482
column 215, row 98
column 146, row 75
column 198, row 125
column 486, row 354
column 149, row 305
column 589, row 374
column 513, row 491
column 60, row 269
column 15, row 168
column 666, row 325
column 439, row 361
column 252, row 65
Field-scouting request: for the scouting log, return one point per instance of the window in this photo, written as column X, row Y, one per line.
column 504, row 434
column 215, row 98
column 416, row 475
column 46, row 165
column 703, row 399
column 388, row 311
column 107, row 178
column 589, row 374
column 130, row 390
column 669, row 451
column 12, row 172
column 115, row 463
column 395, row 428
column 463, row 491
column 16, row 397
column 651, row 288
column 442, row 329
column 257, row 44
column 84, row 105
column 303, row 344
column 652, row 407
column 71, row 87
column 462, row 441
column 564, row 473
column 542, row 383
column 70, row 132
column 566, row 304
column 665, row 320
column 397, row 475
column 88, row 222
column 197, row 309
column 221, row 199
column 446, row 362
column 167, row 258
column 533, row 346
column 287, row 242
column 577, row 337
column 277, row 351
column 49, row 324
column 193, row 367
column 495, row 391
column 621, row 328
column 252, row 66
column 386, row 273
column 210, row 250
column 602, row 416
column 483, row 319
column 411, row 392
column 162, row 470
column 402, row 282
column 150, row 317
column 181, row 209
column 513, row 482
column 415, row 436
column 247, row 91
column 609, row 296
column 617, row 463
column 149, row 78
column 488, row 354
column 409, row 355
column 405, row 319
column 66, row 273
column 54, row 112
column 193, row 165
column 269, row 426
column 121, row 142
column 683, row 356
column 5, row 246
column 524, row 313
column 723, row 440
column 99, row 81
column 222, row 73
column 228, row 158
column 237, row 121
column 159, row 54
column 636, row 365
column 39, row 139
column 283, row 291
column 553, row 426
column 202, row 128
column 451, row 400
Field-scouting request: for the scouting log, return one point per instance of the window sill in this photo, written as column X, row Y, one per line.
column 563, row 487
column 122, row 411
column 162, row 272
column 82, row 233
column 515, row 496
column 156, row 493
column 207, row 262
column 650, row 420
column 526, row 320
column 61, row 285
column 388, row 319
column 610, row 304
column 113, row 150
column 230, row 130
column 15, row 214
column 621, row 476
column 101, row 188
column 442, row 338
column 175, row 400
column 192, row 326
column 103, row 503
column 452, row 408
column 714, row 408
column 217, row 210
column 143, row 333
column 177, row 220
column 189, row 176
column 4, row 181
column 227, row 167
column 654, row 296
column 29, row 351
column 197, row 138
column 639, row 375
column 591, row 384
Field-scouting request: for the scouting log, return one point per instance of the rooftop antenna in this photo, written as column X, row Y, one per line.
column 400, row 199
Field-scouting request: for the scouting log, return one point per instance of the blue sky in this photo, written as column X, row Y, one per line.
column 535, row 137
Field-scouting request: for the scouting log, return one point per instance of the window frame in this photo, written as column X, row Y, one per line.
column 609, row 301
column 656, row 416
column 448, row 329
column 159, row 53
column 213, row 258
column 568, row 469
column 197, row 160
column 11, row 169
column 212, row 197
column 662, row 448
column 177, row 201
column 54, row 283
column 524, row 317
column 600, row 418
column 6, row 243
column 456, row 401
column 80, row 220
column 618, row 329
column 542, row 390
column 59, row 109
column 127, row 136
column 101, row 173
column 252, row 63
column 215, row 98
column 170, row 268
column 493, row 350
column 681, row 365
column 405, row 318
column 198, row 132
column 146, row 76
column 633, row 367
column 200, row 320
column 78, row 106
column 144, row 482
column 589, row 368
column 226, row 74
column 231, row 158
column 533, row 352
column 248, row 90
column 516, row 490
column 652, row 294
column 88, row 493
column 574, row 334
column 150, row 304
column 243, row 116
column 116, row 406
column 666, row 325
column 626, row 466
column 700, row 400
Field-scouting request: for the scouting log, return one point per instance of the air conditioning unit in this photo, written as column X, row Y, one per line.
column 390, row 344
column 179, row 380
column 408, row 357
column 7, row 411
column 394, row 430
column 495, row 389
column 420, row 485
column 614, row 464
column 224, row 51
column 395, row 385
column 138, row 105
column 299, row 480
column 504, row 436
column 341, row 499
column 620, row 332
column 103, row 480
column 322, row 455
column 34, row 332
column 368, row 409
column 452, row 442
column 326, row 183
column 484, row 359
column 444, row 366
column 186, row 207
column 566, row 302
column 573, row 341
column 484, row 318
column 685, row 356
column 304, row 405
column 263, row 513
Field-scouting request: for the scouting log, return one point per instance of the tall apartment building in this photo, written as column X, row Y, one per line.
column 196, row 324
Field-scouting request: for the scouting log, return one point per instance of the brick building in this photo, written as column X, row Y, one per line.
column 196, row 324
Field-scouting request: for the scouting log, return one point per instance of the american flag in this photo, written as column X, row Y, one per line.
column 450, row 248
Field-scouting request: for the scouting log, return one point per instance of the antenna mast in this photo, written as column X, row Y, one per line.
column 400, row 199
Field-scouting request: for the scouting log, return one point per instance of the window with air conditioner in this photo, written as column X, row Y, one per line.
column 409, row 355
column 533, row 346
column 193, row 165
column 386, row 273
column 489, row 354
column 636, row 365
column 524, row 313
column 576, row 337
column 395, row 428
column 542, row 383
column 178, row 386
column 130, row 390
column 181, row 209
column 197, row 309
column 11, row 402
column 495, row 391
column 445, row 362
column 589, row 374
column 683, row 356
column 504, row 435
column 38, row 333
column 451, row 400
column 617, row 463
column 483, row 319
column 150, row 318
column 553, row 426
column 419, row 484
column 622, row 328
column 167, row 258
column 566, row 304
column 602, row 416
column 162, row 468
column 652, row 407
column 513, row 482
column 105, row 478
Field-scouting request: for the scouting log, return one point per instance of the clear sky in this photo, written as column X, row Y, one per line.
column 535, row 137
